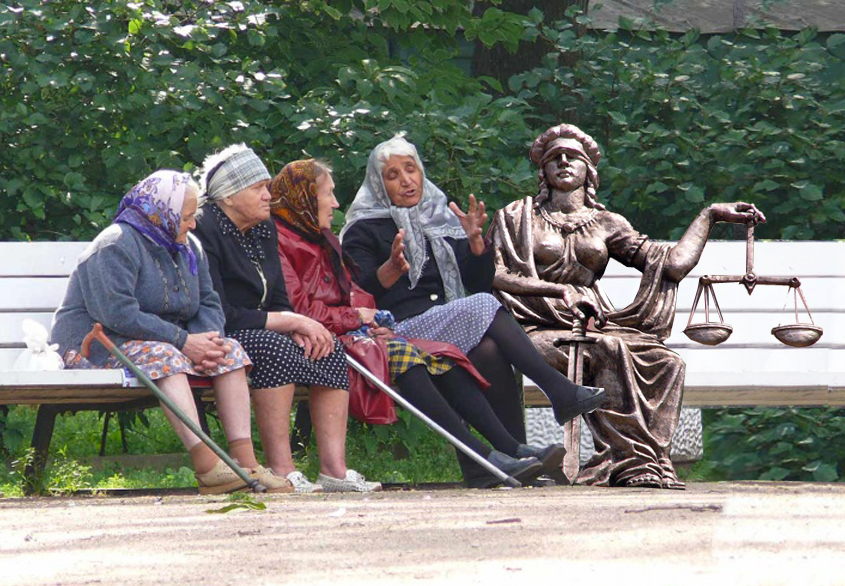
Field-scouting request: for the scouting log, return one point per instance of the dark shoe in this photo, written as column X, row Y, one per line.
column 540, row 482
column 521, row 469
column 587, row 399
column 551, row 457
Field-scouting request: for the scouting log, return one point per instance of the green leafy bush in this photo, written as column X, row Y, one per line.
column 775, row 444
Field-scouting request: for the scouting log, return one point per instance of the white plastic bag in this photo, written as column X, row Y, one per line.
column 39, row 355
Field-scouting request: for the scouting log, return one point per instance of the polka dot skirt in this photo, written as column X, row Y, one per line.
column 278, row 361
column 461, row 322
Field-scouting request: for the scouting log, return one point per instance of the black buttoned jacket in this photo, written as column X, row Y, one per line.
column 368, row 242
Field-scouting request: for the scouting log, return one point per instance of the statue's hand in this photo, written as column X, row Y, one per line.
column 737, row 213
column 584, row 308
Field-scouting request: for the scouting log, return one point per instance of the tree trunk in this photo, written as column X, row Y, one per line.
column 500, row 64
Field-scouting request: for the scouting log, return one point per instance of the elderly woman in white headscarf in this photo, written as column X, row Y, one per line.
column 427, row 262
column 286, row 348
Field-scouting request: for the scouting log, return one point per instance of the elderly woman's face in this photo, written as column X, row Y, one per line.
column 326, row 201
column 189, row 216
column 250, row 206
column 566, row 171
column 403, row 180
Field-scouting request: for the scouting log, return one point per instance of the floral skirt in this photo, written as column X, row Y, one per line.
column 159, row 360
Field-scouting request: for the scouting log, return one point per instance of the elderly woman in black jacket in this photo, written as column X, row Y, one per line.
column 286, row 348
column 428, row 263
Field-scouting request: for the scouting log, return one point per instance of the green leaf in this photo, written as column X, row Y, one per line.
column 244, row 506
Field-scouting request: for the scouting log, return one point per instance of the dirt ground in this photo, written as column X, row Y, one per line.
column 733, row 533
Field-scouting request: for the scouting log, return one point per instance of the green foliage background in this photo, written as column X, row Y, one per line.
column 94, row 96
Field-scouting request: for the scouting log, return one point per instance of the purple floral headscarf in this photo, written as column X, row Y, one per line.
column 154, row 208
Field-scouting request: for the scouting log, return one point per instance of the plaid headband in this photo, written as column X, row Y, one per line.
column 238, row 172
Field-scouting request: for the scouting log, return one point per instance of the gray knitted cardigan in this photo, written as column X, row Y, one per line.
column 138, row 291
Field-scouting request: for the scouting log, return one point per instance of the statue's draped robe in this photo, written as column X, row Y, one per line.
column 643, row 378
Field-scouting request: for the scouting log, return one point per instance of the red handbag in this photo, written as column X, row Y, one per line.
column 366, row 402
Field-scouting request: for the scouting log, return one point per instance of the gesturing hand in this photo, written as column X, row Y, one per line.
column 472, row 222
column 395, row 266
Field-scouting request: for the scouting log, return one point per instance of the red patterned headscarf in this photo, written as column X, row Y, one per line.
column 293, row 200
column 294, row 197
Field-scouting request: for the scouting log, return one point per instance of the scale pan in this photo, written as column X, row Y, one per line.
column 798, row 335
column 709, row 333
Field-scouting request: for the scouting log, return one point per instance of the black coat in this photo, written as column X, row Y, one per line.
column 368, row 242
column 237, row 280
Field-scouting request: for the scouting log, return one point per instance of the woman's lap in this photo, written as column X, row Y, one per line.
column 159, row 360
column 278, row 361
column 461, row 322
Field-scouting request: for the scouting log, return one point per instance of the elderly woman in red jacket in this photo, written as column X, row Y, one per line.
column 435, row 376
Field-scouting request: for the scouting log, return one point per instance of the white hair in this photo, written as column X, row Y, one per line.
column 396, row 146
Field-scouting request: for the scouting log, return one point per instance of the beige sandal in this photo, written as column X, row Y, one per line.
column 219, row 480
column 271, row 481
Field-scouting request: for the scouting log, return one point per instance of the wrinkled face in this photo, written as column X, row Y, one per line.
column 189, row 213
column 403, row 180
column 326, row 201
column 250, row 206
column 566, row 171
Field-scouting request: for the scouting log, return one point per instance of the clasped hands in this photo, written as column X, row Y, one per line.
column 206, row 350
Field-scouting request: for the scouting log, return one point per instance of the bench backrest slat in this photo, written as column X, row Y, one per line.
column 33, row 277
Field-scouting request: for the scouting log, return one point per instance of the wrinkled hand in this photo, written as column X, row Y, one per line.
column 397, row 260
column 367, row 314
column 395, row 266
column 737, row 213
column 472, row 222
column 380, row 332
column 316, row 341
column 205, row 350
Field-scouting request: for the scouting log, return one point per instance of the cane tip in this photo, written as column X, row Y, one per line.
column 513, row 482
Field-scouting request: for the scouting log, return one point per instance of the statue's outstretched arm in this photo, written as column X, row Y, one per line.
column 687, row 252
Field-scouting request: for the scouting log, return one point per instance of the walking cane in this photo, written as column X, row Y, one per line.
column 509, row 480
column 575, row 373
column 98, row 334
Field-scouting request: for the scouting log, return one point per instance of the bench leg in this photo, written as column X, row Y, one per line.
column 201, row 413
column 42, row 435
column 105, row 433
column 300, row 437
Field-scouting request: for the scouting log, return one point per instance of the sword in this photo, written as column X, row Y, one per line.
column 575, row 373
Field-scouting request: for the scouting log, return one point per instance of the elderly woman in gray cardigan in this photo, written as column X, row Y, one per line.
column 146, row 280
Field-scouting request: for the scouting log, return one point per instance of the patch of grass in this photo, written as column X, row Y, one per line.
column 406, row 451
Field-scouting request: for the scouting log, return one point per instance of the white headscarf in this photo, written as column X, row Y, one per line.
column 430, row 219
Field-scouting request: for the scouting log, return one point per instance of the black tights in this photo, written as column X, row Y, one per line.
column 451, row 396
column 518, row 350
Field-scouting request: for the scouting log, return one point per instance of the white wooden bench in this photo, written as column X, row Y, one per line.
column 752, row 368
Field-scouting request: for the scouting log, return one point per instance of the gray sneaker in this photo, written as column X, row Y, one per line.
column 302, row 484
column 354, row 482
